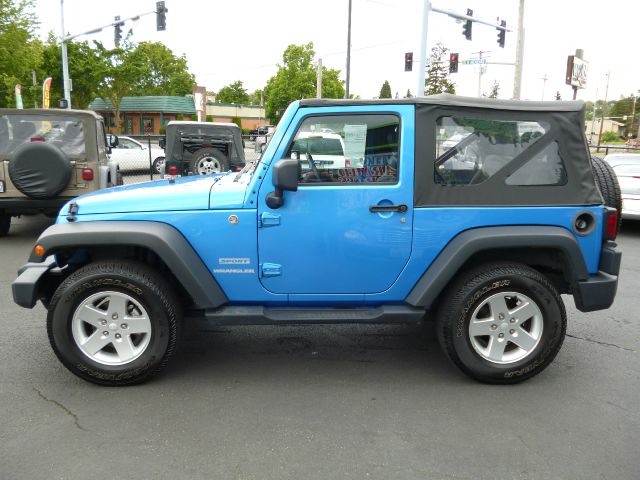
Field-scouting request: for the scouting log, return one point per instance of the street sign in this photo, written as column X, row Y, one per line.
column 474, row 61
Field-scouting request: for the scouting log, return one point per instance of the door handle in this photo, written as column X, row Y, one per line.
column 388, row 208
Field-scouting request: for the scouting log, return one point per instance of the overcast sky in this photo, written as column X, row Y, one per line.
column 228, row 40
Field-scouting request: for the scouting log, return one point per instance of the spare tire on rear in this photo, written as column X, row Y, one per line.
column 40, row 170
column 607, row 182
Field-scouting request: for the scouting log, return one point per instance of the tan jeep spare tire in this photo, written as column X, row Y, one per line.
column 40, row 170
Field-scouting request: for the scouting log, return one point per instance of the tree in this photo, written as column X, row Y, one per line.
column 408, row 95
column 161, row 72
column 558, row 96
column 296, row 79
column 20, row 51
column 143, row 69
column 84, row 70
column 385, row 91
column 119, row 76
column 256, row 98
column 233, row 93
column 495, row 88
column 438, row 72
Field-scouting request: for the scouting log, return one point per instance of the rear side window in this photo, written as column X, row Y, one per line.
column 469, row 151
column 347, row 149
column 64, row 132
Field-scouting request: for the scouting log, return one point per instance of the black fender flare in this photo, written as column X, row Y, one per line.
column 470, row 242
column 162, row 239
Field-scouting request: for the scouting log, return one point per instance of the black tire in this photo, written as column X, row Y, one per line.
column 607, row 183
column 5, row 224
column 157, row 165
column 126, row 279
column 466, row 298
column 208, row 160
column 40, row 170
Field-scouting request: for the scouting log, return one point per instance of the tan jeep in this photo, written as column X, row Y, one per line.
column 48, row 157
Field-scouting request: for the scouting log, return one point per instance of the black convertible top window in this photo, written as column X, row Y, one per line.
column 548, row 165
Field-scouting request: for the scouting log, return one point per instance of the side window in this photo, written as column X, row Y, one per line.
column 471, row 150
column 545, row 168
column 347, row 149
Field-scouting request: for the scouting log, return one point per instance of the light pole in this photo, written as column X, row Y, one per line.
column 346, row 95
column 65, row 63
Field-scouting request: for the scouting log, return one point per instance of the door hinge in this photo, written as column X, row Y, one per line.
column 267, row 219
column 270, row 270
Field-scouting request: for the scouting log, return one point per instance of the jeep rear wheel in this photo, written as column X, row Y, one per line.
column 501, row 323
column 607, row 183
column 5, row 224
column 114, row 323
column 208, row 160
column 40, row 170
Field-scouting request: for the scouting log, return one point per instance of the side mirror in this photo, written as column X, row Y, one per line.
column 113, row 141
column 162, row 143
column 284, row 177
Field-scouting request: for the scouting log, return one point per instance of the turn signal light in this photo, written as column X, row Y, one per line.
column 172, row 170
column 39, row 250
column 87, row 174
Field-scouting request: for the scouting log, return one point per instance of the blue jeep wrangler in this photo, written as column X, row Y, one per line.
column 478, row 213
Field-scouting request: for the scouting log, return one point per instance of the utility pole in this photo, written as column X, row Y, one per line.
column 593, row 118
column 544, row 84
column 319, row 79
column 604, row 108
column 65, row 63
column 346, row 94
column 517, row 81
column 422, row 64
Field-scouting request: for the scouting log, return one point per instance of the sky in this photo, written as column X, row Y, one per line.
column 229, row 40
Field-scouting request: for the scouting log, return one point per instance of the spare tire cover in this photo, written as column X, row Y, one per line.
column 607, row 182
column 39, row 170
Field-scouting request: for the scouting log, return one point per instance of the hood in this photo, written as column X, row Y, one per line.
column 186, row 193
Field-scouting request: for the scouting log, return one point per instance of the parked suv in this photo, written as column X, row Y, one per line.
column 201, row 148
column 48, row 157
column 483, row 236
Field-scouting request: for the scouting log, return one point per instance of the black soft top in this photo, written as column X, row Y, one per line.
column 447, row 100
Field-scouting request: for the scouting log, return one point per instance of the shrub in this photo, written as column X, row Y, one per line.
column 237, row 121
column 609, row 137
column 209, row 118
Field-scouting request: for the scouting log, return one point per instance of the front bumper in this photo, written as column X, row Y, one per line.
column 599, row 290
column 27, row 287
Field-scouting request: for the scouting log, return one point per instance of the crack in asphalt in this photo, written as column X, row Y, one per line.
column 602, row 343
column 66, row 410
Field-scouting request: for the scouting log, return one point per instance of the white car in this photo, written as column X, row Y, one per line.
column 627, row 168
column 132, row 155
column 326, row 149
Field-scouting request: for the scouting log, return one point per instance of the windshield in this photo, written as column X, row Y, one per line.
column 64, row 132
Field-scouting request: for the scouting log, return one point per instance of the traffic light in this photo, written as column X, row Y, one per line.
column 466, row 28
column 453, row 63
column 161, row 17
column 502, row 33
column 408, row 61
column 117, row 34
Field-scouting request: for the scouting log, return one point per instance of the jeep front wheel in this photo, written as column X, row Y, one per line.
column 209, row 160
column 114, row 323
column 5, row 223
column 501, row 323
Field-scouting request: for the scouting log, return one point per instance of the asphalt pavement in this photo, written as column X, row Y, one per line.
column 323, row 402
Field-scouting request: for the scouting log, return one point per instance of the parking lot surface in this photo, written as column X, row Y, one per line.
column 344, row 402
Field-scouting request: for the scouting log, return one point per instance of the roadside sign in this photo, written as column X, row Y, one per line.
column 475, row 61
